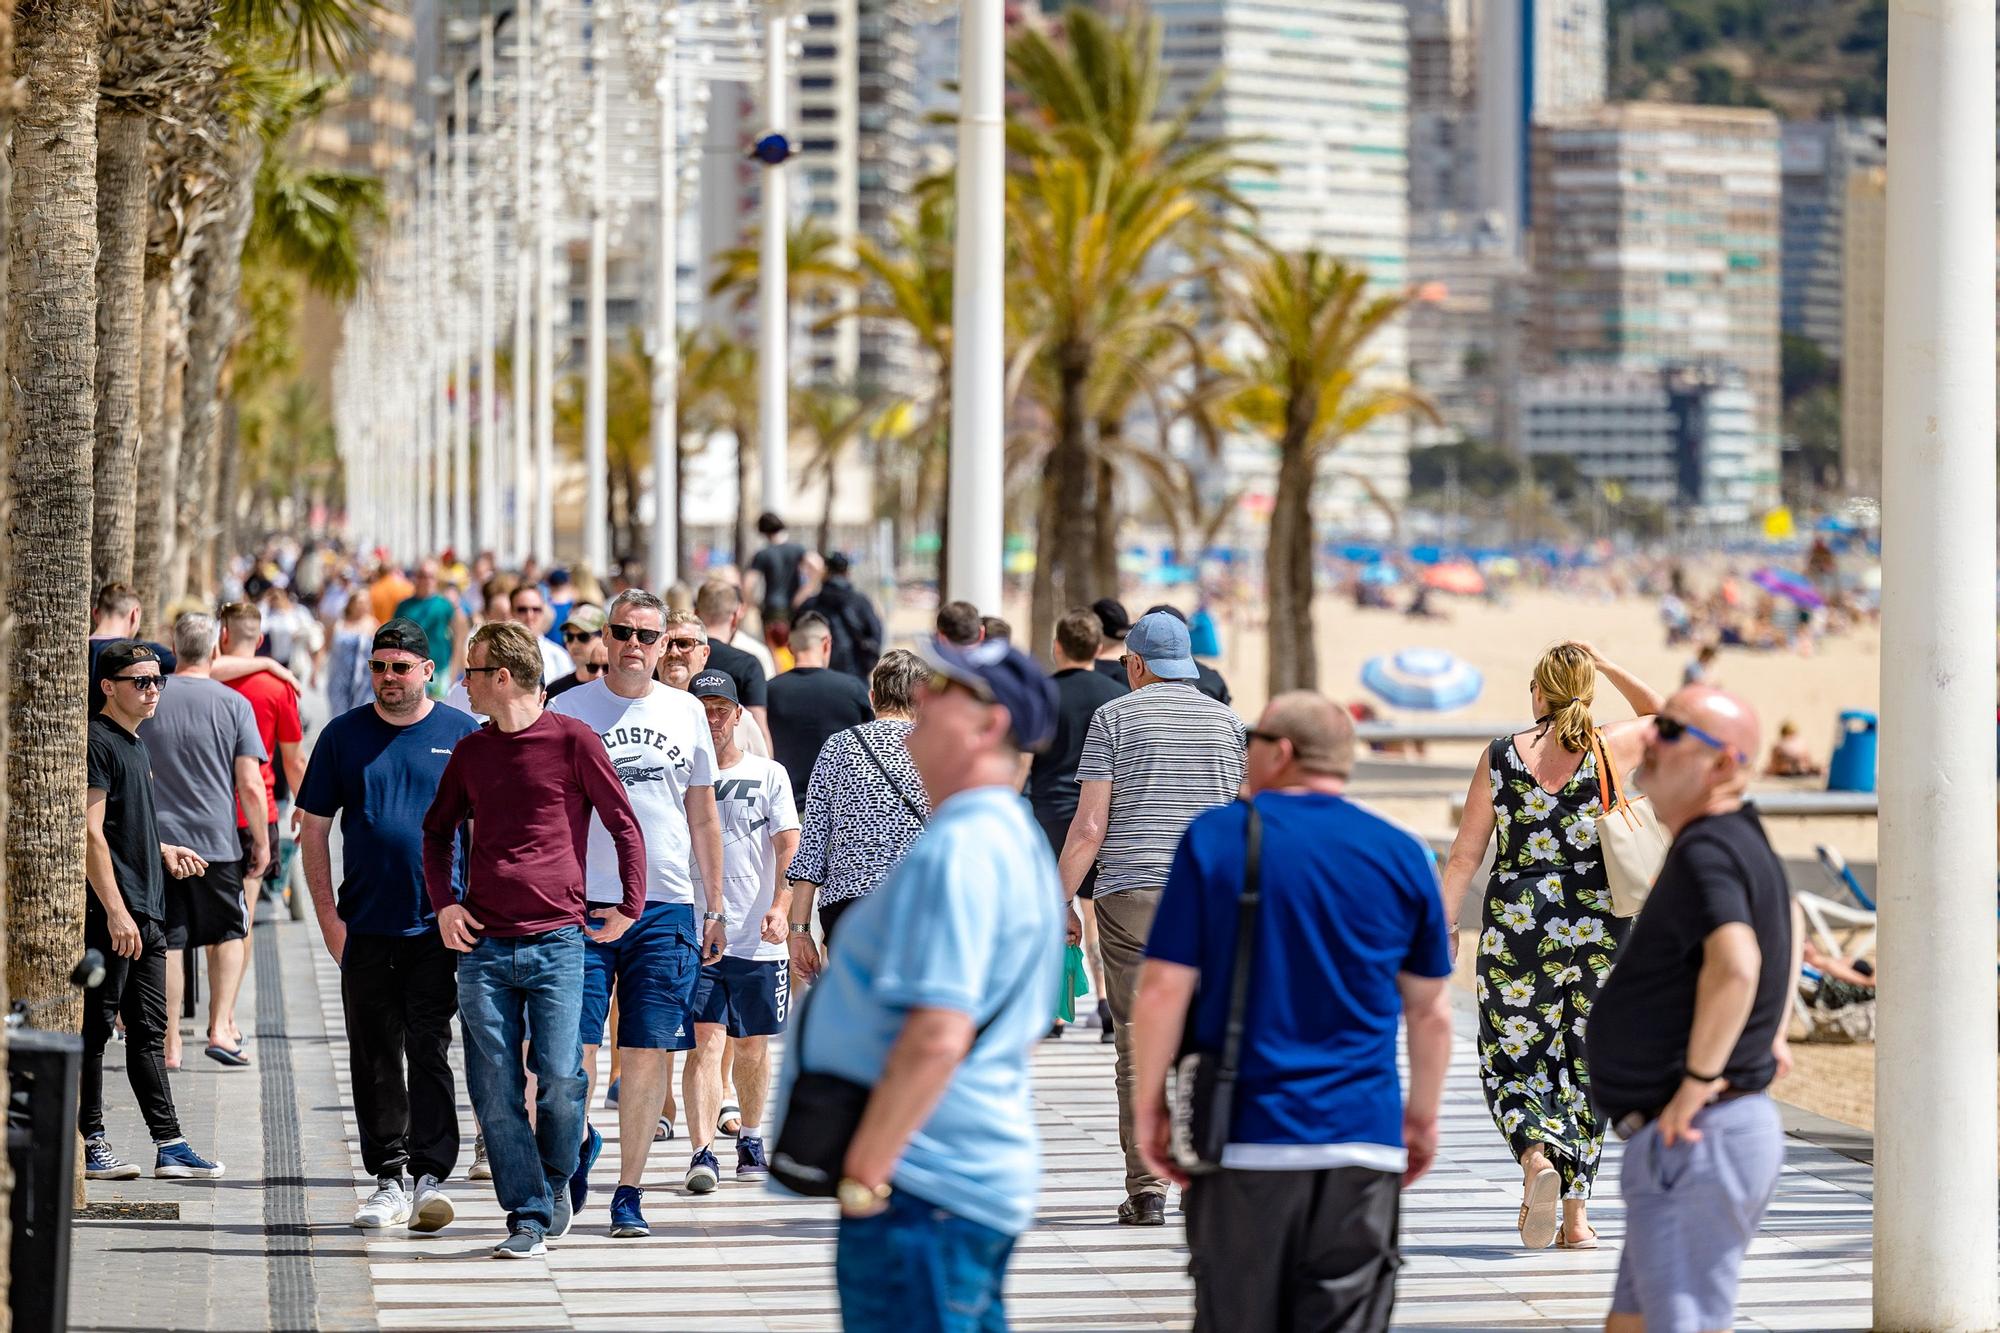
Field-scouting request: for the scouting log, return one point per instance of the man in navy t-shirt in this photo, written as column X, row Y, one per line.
column 1298, row 1227
column 378, row 768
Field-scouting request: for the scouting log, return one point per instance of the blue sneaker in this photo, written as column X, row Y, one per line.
column 627, row 1222
column 703, row 1173
column 586, row 1157
column 177, row 1161
column 750, row 1163
column 611, row 1093
column 102, row 1162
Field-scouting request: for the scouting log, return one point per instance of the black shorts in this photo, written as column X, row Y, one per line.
column 271, row 834
column 207, row 908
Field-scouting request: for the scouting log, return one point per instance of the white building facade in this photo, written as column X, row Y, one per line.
column 1535, row 57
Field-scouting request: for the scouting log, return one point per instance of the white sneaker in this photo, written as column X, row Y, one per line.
column 388, row 1206
column 432, row 1210
column 479, row 1170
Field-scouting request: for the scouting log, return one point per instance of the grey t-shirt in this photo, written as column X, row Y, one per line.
column 194, row 739
column 1169, row 752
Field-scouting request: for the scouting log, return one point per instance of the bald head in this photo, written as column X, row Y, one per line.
column 1699, row 760
column 1722, row 715
column 1320, row 730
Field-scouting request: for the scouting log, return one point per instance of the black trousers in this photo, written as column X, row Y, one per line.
column 399, row 994
column 1293, row 1251
column 135, row 988
column 829, row 918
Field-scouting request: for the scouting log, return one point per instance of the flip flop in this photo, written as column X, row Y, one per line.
column 730, row 1122
column 222, row 1055
column 1541, row 1210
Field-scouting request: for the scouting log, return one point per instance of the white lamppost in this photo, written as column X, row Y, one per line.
column 548, row 127
column 977, row 502
column 1935, row 1170
column 519, row 536
column 441, row 298
column 773, row 303
column 596, row 421
column 421, row 368
column 461, row 403
column 489, row 398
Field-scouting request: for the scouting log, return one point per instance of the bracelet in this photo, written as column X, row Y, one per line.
column 1702, row 1078
column 714, row 916
column 802, row 928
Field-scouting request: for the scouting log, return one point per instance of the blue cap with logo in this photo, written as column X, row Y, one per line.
column 1161, row 642
column 1000, row 673
column 714, row 685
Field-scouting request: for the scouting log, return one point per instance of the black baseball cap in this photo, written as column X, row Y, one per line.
column 118, row 655
column 1111, row 614
column 714, row 685
column 402, row 635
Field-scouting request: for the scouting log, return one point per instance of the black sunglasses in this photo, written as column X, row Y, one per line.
column 378, row 666
column 1252, row 734
column 627, row 633
column 145, row 683
column 581, row 635
column 472, row 670
column 592, row 668
column 1672, row 729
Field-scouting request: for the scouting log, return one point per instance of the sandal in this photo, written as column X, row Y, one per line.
column 1541, row 1210
column 730, row 1122
column 1563, row 1242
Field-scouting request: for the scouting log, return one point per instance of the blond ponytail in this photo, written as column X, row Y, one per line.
column 1568, row 681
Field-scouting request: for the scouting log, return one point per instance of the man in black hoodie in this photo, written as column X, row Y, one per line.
column 857, row 630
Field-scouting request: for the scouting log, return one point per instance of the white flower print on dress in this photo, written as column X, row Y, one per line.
column 1517, row 992
column 1550, row 886
column 1536, row 805
column 1590, row 930
column 1479, row 990
column 1510, row 1119
column 1515, row 917
column 1514, row 760
column 1576, row 1026
column 1520, row 1025
column 1568, row 976
column 1492, row 943
column 1583, row 834
column 1539, row 1084
column 1541, row 846
column 1513, row 1047
column 1559, row 929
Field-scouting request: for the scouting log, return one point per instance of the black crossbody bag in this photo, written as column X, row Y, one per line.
column 824, row 1111
column 1205, row 1081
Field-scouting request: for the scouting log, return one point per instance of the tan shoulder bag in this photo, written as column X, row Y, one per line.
column 1630, row 836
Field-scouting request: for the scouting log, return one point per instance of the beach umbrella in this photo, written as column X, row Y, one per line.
column 1458, row 577
column 1784, row 583
column 1427, row 678
column 1384, row 575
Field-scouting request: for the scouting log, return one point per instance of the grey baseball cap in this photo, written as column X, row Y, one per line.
column 1161, row 642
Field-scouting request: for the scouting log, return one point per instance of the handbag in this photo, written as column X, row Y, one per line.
column 824, row 1111
column 1204, row 1100
column 1629, row 833
column 916, row 811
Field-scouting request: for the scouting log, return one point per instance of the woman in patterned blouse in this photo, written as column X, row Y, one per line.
column 1547, row 934
column 864, row 807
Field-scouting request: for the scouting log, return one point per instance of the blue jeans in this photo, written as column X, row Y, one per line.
column 916, row 1268
column 507, row 988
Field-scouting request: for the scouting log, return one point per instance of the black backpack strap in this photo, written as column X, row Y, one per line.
column 1246, row 944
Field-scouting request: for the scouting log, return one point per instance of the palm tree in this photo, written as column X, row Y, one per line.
column 51, row 419
column 1309, row 390
column 814, row 269
column 149, row 46
column 719, row 387
column 628, row 400
column 835, row 415
column 6, row 183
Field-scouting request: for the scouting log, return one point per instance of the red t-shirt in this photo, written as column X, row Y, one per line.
column 276, row 705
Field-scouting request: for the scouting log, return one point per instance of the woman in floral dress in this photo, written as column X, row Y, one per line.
column 1547, row 937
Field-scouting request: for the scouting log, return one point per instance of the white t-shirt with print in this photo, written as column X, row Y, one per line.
column 755, row 801
column 660, row 746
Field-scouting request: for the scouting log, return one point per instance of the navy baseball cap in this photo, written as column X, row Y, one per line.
column 402, row 635
column 714, row 685
column 1000, row 673
column 1160, row 640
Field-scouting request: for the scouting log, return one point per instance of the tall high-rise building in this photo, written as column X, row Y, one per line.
column 1443, row 61
column 1864, row 259
column 1320, row 90
column 1820, row 157
column 1655, row 243
column 1536, row 58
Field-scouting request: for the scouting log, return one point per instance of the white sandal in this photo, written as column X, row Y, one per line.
column 1541, row 1210
column 730, row 1112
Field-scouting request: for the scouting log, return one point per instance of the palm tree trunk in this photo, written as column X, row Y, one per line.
column 225, row 467
column 150, row 509
column 1064, row 540
column 52, row 412
column 6, row 632
column 1104, row 533
column 122, row 217
column 1288, row 563
column 741, row 540
column 681, row 546
column 211, row 329
column 171, row 578
column 826, row 510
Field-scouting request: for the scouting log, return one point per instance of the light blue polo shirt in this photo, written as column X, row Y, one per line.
column 971, row 919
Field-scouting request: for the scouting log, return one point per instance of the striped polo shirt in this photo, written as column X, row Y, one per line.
column 1169, row 753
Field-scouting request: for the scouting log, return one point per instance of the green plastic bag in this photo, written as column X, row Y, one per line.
column 1076, row 981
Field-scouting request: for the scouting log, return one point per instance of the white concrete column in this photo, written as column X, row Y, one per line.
column 424, row 377
column 520, row 415
column 773, row 306
column 1936, row 1198
column 486, row 167
column 596, row 465
column 663, row 563
column 548, row 219
column 461, row 334
column 977, row 500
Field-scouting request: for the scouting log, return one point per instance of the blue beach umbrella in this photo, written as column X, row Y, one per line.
column 1426, row 678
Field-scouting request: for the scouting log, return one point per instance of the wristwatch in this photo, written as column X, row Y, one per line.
column 859, row 1200
column 802, row 928
column 714, row 916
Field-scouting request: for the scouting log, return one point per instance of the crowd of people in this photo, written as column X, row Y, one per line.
column 572, row 816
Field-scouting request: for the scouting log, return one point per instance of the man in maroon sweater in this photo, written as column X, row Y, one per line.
column 528, row 782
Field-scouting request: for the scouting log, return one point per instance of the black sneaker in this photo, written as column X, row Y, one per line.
column 521, row 1245
column 750, row 1163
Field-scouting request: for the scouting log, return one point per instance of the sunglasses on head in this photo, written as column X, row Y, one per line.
column 1672, row 729
column 378, row 666
column 627, row 633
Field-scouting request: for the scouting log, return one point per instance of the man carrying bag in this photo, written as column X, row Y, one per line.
column 1292, row 1224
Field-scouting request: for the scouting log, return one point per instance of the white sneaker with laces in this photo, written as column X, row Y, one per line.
column 432, row 1210
column 388, row 1206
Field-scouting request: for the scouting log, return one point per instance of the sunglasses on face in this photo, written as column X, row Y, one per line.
column 1251, row 735
column 591, row 668
column 581, row 635
column 145, row 684
column 1672, row 729
column 378, row 666
column 533, row 610
column 627, row 633
column 683, row 645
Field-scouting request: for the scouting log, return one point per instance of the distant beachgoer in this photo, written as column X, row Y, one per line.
column 1789, row 756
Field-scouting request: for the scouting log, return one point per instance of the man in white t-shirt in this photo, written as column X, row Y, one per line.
column 743, row 998
column 659, row 744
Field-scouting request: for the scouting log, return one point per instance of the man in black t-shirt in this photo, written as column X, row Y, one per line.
column 125, row 865
column 777, row 570
column 719, row 605
column 1689, row 1029
column 810, row 702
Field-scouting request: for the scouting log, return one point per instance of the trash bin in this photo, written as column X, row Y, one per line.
column 42, row 1070
column 1852, row 767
